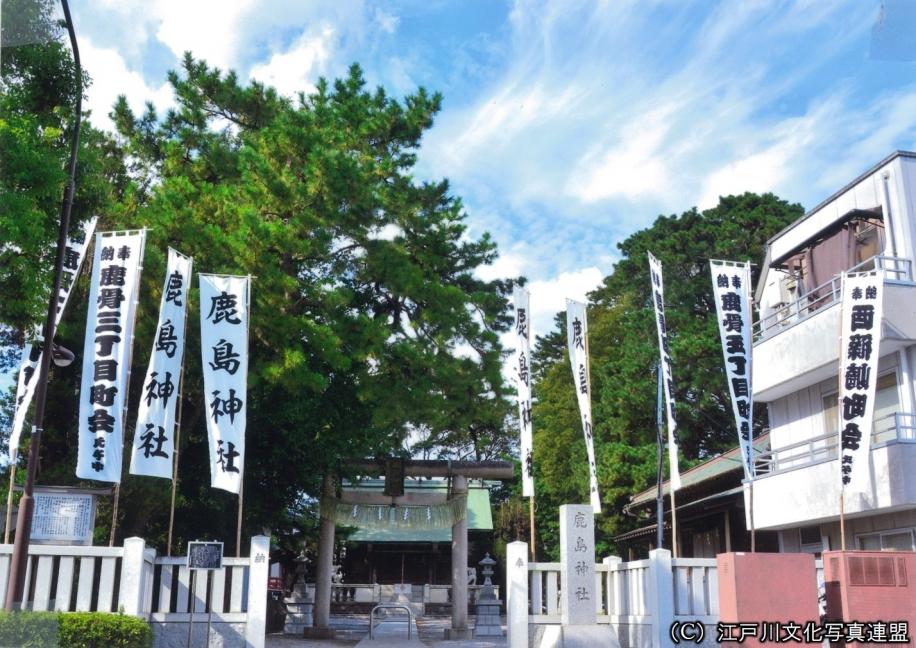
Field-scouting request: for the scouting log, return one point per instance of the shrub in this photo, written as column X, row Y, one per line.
column 73, row 630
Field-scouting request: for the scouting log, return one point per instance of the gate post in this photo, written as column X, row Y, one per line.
column 133, row 585
column 259, row 561
column 661, row 596
column 517, row 594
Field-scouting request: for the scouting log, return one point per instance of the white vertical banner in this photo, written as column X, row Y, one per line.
column 521, row 299
column 731, row 291
column 861, row 334
column 117, row 263
column 658, row 299
column 74, row 253
column 224, row 303
column 154, row 435
column 577, row 341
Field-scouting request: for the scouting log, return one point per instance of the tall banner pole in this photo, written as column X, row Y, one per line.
column 225, row 303
column 660, row 441
column 661, row 325
column 577, row 342
column 74, row 255
column 860, row 337
column 130, row 358
column 9, row 501
column 531, row 525
column 177, row 438
column 168, row 548
column 107, row 355
column 731, row 290
column 521, row 301
column 842, row 520
column 753, row 531
column 154, row 445
column 238, row 530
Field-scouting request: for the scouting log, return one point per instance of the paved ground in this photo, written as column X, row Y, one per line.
column 354, row 629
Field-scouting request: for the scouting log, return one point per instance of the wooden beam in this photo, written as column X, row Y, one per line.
column 501, row 470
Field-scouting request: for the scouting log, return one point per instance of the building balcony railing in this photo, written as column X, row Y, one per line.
column 899, row 427
column 814, row 300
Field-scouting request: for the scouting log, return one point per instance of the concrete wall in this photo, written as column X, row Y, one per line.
column 830, row 531
column 811, row 495
column 779, row 366
column 800, row 415
column 867, row 193
column 175, row 635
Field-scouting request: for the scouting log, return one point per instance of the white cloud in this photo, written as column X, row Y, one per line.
column 387, row 22
column 615, row 135
column 507, row 265
column 635, row 168
column 298, row 68
column 548, row 296
column 211, row 29
column 110, row 78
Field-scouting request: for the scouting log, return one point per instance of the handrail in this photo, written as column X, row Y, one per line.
column 390, row 606
column 827, row 293
column 823, row 447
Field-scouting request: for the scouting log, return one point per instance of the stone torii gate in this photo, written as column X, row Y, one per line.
column 459, row 472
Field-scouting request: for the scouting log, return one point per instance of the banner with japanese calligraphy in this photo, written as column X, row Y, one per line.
column 577, row 341
column 116, row 267
column 861, row 334
column 224, row 345
column 658, row 299
column 154, row 435
column 521, row 300
column 74, row 253
column 731, row 291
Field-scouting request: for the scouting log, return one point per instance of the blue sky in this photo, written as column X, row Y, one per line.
column 566, row 125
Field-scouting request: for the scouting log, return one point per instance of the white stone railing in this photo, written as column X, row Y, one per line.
column 696, row 589
column 640, row 598
column 230, row 602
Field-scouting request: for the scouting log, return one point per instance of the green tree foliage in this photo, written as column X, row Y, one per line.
column 363, row 292
column 37, row 97
column 624, row 353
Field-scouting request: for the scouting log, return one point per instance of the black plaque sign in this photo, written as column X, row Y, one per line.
column 394, row 477
column 205, row 555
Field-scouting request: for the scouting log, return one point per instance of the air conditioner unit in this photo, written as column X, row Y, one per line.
column 870, row 586
column 788, row 286
column 865, row 231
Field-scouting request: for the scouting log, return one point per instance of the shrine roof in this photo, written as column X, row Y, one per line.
column 480, row 517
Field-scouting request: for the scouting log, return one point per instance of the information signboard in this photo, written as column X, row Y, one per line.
column 205, row 555
column 63, row 518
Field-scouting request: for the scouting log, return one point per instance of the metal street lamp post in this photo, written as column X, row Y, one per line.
column 16, row 582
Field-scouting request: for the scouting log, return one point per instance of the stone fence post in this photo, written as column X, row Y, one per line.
column 660, row 599
column 256, row 628
column 517, row 594
column 133, row 578
column 611, row 597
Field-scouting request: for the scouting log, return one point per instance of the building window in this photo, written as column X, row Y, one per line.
column 895, row 540
column 810, row 540
column 887, row 402
column 869, row 241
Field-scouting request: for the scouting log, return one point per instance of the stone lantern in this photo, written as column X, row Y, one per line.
column 488, row 620
column 486, row 568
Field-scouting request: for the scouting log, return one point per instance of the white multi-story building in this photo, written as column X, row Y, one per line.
column 870, row 223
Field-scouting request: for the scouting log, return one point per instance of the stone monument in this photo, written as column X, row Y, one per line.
column 488, row 622
column 578, row 594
